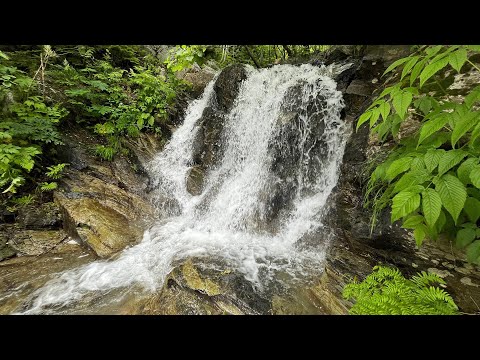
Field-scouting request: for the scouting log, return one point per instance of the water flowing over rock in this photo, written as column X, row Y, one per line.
column 255, row 206
column 274, row 141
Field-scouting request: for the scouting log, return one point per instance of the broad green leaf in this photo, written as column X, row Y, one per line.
column 383, row 128
column 412, row 221
column 410, row 179
column 401, row 102
column 432, row 126
column 396, row 122
column 473, row 47
column 449, row 159
column 403, row 204
column 465, row 169
column 475, row 176
column 3, row 55
column 409, row 65
column 151, row 120
column 472, row 209
column 412, row 89
column 396, row 64
column 431, row 69
column 475, row 134
column 424, row 104
column 472, row 97
column 375, row 116
column 432, row 51
column 473, row 252
column 432, row 158
column 457, row 59
column 386, row 91
column 464, row 237
column 453, row 194
column 417, row 164
column 397, row 167
column 416, row 189
column 464, row 125
column 364, row 118
column 417, row 69
column 419, row 234
column 140, row 123
column 474, row 192
column 441, row 221
column 444, row 53
column 384, row 110
column 431, row 206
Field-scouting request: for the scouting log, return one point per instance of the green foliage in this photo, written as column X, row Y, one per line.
column 56, row 171
column 114, row 102
column 430, row 178
column 105, row 152
column 27, row 126
column 386, row 292
column 184, row 56
column 46, row 186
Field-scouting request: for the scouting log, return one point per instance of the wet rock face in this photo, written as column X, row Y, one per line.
column 207, row 145
column 198, row 288
column 199, row 80
column 6, row 250
column 21, row 276
column 195, row 178
column 227, row 86
column 46, row 215
column 103, row 215
column 291, row 135
column 105, row 204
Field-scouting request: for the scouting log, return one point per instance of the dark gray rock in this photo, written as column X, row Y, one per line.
column 38, row 216
column 195, row 177
column 228, row 84
column 208, row 146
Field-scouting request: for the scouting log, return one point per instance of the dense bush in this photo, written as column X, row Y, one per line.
column 431, row 179
column 27, row 126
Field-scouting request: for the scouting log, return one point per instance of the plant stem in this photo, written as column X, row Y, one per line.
column 475, row 66
column 441, row 87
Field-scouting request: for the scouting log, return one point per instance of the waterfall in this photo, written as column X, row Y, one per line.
column 282, row 139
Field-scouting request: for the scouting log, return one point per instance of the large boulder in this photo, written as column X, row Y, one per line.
column 106, row 204
column 103, row 215
column 196, row 288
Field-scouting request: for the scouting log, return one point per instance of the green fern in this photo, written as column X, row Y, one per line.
column 386, row 292
column 45, row 186
column 56, row 171
column 105, row 152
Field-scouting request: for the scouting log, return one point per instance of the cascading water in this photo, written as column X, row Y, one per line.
column 283, row 139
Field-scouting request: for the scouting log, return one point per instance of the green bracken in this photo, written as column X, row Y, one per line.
column 386, row 292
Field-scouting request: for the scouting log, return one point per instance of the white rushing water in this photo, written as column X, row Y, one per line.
column 222, row 222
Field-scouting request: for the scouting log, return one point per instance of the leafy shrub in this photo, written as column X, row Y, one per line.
column 432, row 178
column 115, row 102
column 386, row 292
column 27, row 125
